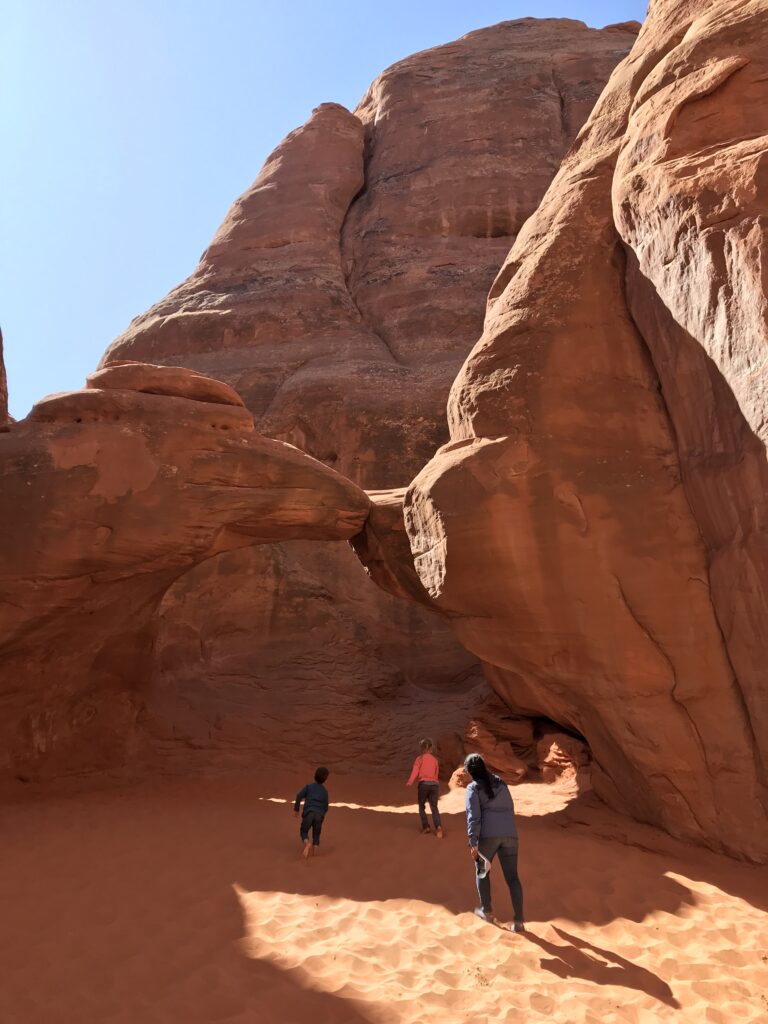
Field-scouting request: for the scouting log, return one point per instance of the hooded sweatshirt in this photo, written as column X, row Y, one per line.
column 489, row 818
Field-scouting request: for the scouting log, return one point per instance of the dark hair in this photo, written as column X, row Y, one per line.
column 321, row 774
column 427, row 745
column 478, row 770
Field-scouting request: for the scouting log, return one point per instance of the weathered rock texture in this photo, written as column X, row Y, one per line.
column 107, row 496
column 340, row 296
column 595, row 529
column 3, row 388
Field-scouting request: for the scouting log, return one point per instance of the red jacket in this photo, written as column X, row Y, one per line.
column 425, row 769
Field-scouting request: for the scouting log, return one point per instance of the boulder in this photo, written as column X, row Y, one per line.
column 496, row 752
column 560, row 754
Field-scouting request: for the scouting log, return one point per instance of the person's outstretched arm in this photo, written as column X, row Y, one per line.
column 414, row 772
column 301, row 795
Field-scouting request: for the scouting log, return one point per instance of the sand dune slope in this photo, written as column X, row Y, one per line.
column 189, row 903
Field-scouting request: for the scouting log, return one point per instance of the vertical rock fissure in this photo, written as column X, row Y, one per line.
column 346, row 275
column 648, row 632
column 561, row 101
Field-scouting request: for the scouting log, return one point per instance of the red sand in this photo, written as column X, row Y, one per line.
column 187, row 902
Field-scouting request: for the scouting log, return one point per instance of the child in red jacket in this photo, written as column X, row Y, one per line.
column 425, row 772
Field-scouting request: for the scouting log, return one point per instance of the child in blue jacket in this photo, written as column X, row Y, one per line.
column 315, row 797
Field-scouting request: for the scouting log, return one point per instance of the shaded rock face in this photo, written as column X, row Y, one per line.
column 108, row 495
column 595, row 528
column 354, row 700
column 340, row 296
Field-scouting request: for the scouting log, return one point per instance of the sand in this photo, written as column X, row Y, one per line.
column 190, row 902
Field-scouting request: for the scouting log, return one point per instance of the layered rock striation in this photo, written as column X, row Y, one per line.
column 595, row 527
column 340, row 297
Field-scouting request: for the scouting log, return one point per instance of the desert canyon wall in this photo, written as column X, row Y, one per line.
column 595, row 528
column 591, row 527
column 340, row 297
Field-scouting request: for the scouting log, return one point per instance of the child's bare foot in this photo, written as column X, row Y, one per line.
column 307, row 851
column 439, row 832
column 315, row 851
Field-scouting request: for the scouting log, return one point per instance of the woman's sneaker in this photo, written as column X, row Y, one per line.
column 485, row 915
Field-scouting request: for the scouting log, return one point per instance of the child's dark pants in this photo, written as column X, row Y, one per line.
column 428, row 793
column 311, row 820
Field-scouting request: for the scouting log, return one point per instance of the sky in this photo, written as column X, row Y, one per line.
column 129, row 128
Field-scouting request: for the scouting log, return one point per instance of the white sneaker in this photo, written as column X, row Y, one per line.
column 485, row 916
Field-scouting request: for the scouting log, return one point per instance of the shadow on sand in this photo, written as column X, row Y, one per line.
column 581, row 959
column 121, row 905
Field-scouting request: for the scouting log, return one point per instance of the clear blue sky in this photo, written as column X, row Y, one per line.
column 129, row 126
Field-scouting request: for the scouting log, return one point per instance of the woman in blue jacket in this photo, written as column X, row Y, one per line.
column 491, row 830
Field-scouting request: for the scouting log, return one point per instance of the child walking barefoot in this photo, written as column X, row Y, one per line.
column 315, row 797
column 425, row 772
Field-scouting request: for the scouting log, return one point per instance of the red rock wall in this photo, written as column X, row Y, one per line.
column 107, row 496
column 595, row 526
column 340, row 296
column 697, row 269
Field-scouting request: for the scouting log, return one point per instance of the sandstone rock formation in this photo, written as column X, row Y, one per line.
column 560, row 754
column 340, row 296
column 3, row 388
column 498, row 754
column 595, row 528
column 108, row 495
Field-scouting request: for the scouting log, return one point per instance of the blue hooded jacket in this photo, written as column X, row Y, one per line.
column 315, row 797
column 488, row 818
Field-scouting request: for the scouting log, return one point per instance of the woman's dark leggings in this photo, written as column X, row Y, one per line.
column 428, row 793
column 506, row 847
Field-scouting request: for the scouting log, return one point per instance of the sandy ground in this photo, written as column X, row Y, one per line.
column 190, row 902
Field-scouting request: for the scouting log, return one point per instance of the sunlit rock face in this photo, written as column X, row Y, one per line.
column 340, row 297
column 107, row 496
column 595, row 526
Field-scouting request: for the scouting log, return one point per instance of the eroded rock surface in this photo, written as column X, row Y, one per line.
column 340, row 296
column 595, row 528
column 3, row 388
column 107, row 496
